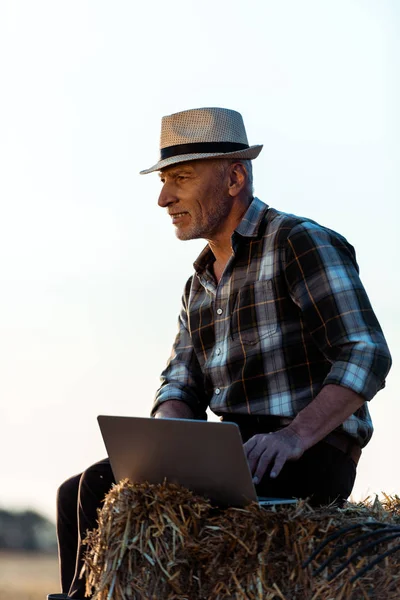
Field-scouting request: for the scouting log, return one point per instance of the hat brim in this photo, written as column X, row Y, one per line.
column 247, row 154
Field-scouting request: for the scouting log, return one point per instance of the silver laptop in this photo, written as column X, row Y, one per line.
column 206, row 457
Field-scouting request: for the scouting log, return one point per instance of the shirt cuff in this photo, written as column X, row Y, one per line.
column 172, row 392
column 356, row 378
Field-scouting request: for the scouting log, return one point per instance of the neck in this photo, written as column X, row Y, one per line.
column 221, row 243
column 222, row 250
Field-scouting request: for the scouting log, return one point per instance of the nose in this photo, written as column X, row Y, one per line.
column 166, row 196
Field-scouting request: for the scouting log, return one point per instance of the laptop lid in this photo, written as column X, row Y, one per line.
column 206, row 457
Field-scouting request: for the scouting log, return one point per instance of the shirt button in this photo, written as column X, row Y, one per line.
column 219, row 311
column 218, row 351
column 217, row 391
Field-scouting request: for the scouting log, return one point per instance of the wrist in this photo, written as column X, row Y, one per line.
column 302, row 433
column 174, row 409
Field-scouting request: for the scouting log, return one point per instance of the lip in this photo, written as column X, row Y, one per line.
column 178, row 216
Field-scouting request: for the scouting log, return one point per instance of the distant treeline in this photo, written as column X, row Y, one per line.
column 26, row 530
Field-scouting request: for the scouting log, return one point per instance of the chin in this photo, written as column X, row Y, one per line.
column 186, row 233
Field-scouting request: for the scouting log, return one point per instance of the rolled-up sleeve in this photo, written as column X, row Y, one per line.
column 182, row 379
column 323, row 280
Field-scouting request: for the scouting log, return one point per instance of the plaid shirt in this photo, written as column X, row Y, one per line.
column 288, row 316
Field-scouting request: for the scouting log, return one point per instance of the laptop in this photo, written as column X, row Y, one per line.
column 205, row 457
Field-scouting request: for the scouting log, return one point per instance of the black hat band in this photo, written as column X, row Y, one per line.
column 202, row 147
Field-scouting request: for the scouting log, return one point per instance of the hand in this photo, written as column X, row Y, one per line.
column 272, row 450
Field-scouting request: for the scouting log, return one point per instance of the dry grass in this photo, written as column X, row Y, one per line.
column 162, row 542
column 27, row 576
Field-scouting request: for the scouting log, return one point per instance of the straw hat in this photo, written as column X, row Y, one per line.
column 203, row 133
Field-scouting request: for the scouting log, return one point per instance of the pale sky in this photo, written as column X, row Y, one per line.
column 92, row 274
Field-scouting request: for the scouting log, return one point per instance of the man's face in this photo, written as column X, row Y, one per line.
column 196, row 197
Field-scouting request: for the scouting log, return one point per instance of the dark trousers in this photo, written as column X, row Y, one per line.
column 324, row 474
column 78, row 499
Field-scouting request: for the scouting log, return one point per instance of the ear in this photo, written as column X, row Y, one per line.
column 237, row 179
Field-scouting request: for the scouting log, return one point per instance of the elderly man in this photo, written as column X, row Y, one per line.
column 276, row 332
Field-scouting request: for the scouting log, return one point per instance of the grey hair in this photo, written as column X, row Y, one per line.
column 248, row 165
column 223, row 164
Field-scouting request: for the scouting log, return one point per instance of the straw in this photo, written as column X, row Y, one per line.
column 164, row 542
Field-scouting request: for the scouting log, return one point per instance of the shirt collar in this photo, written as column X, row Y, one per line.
column 250, row 224
column 205, row 258
column 248, row 227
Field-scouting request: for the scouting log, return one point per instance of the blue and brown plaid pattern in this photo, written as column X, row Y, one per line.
column 288, row 316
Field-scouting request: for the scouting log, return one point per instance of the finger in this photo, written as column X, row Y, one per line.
column 277, row 466
column 263, row 464
column 256, row 446
column 249, row 445
column 253, row 458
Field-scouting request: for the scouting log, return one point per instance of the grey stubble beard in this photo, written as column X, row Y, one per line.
column 215, row 218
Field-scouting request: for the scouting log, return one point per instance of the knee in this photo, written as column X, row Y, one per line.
column 67, row 498
column 96, row 480
column 67, row 493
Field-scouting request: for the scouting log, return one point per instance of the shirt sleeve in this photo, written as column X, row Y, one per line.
column 323, row 280
column 182, row 379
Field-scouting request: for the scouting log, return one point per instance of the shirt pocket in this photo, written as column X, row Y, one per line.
column 254, row 313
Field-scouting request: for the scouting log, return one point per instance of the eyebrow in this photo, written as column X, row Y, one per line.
column 174, row 172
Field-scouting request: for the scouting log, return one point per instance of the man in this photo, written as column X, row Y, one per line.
column 276, row 332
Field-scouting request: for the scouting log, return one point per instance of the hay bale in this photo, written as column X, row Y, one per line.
column 164, row 542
